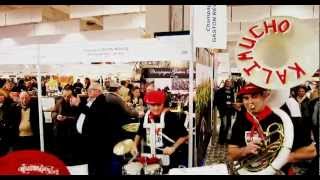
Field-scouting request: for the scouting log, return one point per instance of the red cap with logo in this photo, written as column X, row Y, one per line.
column 155, row 97
column 31, row 162
column 250, row 89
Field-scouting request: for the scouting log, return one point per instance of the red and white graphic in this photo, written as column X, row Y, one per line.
column 31, row 162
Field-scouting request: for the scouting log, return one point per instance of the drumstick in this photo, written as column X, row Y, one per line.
column 134, row 157
column 161, row 149
column 169, row 139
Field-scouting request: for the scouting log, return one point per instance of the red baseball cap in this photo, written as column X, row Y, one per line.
column 250, row 89
column 155, row 97
column 31, row 162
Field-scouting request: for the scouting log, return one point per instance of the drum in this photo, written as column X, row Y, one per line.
column 132, row 168
column 152, row 169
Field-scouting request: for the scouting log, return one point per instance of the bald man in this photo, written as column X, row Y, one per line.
column 26, row 119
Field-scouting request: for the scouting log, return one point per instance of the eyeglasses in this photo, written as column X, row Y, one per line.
column 155, row 104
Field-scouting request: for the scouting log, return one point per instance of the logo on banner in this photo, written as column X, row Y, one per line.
column 277, row 52
column 32, row 162
column 210, row 26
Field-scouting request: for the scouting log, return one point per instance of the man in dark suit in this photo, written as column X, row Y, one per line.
column 26, row 118
column 96, row 129
column 118, row 115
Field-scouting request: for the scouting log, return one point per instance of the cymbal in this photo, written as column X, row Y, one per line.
column 132, row 127
column 123, row 147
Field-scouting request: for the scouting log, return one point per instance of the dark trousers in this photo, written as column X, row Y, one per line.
column 105, row 167
column 99, row 167
column 225, row 119
column 4, row 144
column 179, row 158
column 27, row 143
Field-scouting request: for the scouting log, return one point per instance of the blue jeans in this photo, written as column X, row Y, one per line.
column 116, row 165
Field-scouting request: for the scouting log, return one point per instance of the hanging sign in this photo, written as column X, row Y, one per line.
column 210, row 26
column 278, row 52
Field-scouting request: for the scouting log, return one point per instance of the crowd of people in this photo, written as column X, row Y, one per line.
column 88, row 120
column 250, row 102
column 104, row 114
column 87, row 123
column 19, row 119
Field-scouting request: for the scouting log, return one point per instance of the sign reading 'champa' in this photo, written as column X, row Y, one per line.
column 210, row 26
column 278, row 52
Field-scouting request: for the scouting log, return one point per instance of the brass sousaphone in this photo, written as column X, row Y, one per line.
column 276, row 53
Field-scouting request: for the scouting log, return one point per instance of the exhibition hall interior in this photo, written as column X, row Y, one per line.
column 117, row 90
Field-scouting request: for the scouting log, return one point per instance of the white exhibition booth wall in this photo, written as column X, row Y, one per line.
column 76, row 58
column 86, row 53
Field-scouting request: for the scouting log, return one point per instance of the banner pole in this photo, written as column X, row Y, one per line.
column 41, row 132
column 192, row 140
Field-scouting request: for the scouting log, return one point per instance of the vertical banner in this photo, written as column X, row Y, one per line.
column 209, row 31
column 210, row 26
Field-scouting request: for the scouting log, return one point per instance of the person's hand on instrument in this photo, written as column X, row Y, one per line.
column 251, row 148
column 169, row 150
column 134, row 150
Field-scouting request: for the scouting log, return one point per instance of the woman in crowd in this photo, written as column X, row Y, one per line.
column 135, row 99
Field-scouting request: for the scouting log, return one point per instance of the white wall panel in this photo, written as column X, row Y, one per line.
column 65, row 27
column 316, row 12
column 250, row 13
column 120, row 9
column 62, row 27
column 44, row 29
column 88, row 36
column 233, row 37
column 21, row 30
column 124, row 21
column 2, row 19
column 298, row 11
column 233, row 27
column 79, row 11
column 245, row 25
column 24, row 15
column 112, row 35
column 157, row 18
column 143, row 8
column 229, row 13
column 187, row 17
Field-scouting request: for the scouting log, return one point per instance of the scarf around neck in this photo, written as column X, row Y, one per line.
column 260, row 117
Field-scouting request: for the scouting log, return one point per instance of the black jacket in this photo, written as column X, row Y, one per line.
column 96, row 128
column 118, row 114
column 66, row 128
column 95, row 116
column 6, row 127
column 223, row 99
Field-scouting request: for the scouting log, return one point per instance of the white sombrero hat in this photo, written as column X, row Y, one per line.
column 284, row 58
